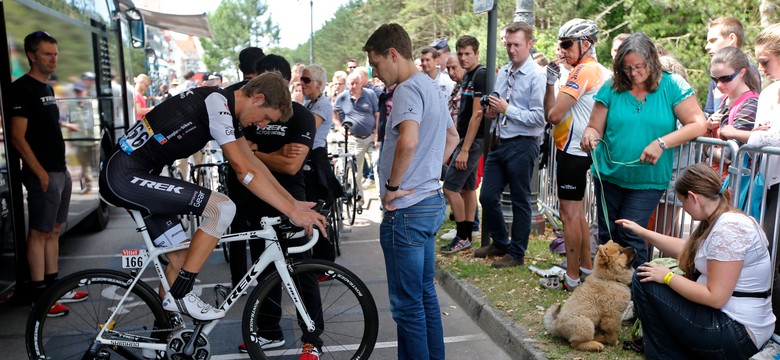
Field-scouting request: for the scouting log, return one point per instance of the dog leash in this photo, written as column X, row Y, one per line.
column 633, row 163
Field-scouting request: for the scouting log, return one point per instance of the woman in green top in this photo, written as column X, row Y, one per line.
column 634, row 117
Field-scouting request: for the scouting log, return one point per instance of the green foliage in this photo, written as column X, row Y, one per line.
column 237, row 24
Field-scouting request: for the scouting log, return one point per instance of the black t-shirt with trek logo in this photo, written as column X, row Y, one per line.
column 182, row 125
column 300, row 129
column 35, row 101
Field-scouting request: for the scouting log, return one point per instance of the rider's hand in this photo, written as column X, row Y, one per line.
column 308, row 219
column 304, row 205
column 553, row 73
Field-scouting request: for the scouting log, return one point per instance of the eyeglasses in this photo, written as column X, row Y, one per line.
column 726, row 78
column 305, row 79
column 565, row 45
column 637, row 67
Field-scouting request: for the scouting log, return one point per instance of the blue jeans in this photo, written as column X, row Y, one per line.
column 676, row 328
column 407, row 237
column 623, row 203
column 513, row 162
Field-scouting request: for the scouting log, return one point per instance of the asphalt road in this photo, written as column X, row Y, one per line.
column 361, row 253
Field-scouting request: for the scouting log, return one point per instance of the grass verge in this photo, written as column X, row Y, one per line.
column 517, row 292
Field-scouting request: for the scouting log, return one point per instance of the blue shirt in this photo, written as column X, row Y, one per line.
column 322, row 108
column 525, row 115
column 361, row 112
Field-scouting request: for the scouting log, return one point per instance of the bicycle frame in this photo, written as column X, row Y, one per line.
column 273, row 254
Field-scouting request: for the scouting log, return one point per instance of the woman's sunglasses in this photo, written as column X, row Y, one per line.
column 305, row 79
column 726, row 78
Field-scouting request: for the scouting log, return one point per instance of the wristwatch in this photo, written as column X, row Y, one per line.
column 389, row 187
column 661, row 143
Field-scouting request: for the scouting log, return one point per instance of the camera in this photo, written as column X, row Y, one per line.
column 485, row 101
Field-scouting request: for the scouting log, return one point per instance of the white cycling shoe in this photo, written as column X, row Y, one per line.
column 192, row 306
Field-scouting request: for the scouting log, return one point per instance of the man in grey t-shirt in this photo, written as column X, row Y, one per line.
column 418, row 137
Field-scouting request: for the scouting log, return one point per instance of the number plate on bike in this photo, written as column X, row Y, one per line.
column 134, row 258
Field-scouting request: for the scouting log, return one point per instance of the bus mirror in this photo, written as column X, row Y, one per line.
column 137, row 29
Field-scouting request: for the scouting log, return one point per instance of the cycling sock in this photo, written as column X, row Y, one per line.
column 36, row 290
column 50, row 279
column 183, row 284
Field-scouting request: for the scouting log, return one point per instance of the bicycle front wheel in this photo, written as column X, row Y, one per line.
column 141, row 317
column 351, row 190
column 344, row 313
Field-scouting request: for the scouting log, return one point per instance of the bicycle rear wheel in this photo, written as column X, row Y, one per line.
column 351, row 191
column 141, row 318
column 347, row 319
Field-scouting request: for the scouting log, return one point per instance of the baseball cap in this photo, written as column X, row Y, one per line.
column 79, row 86
column 441, row 44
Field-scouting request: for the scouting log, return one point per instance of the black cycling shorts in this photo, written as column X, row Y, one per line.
column 571, row 174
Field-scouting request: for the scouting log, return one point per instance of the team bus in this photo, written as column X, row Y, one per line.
column 96, row 40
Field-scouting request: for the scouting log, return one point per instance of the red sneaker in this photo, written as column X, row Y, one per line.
column 309, row 352
column 58, row 310
column 74, row 296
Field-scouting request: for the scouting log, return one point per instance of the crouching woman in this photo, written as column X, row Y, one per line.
column 721, row 308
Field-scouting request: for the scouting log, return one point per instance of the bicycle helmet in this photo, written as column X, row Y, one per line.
column 579, row 29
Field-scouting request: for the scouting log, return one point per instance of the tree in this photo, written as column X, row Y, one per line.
column 237, row 24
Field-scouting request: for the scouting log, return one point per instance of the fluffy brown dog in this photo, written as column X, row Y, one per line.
column 592, row 314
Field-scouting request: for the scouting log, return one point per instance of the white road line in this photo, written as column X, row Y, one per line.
column 379, row 345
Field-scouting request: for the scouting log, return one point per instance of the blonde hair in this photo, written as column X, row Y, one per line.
column 274, row 87
column 769, row 38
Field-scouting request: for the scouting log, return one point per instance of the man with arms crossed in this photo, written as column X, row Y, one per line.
column 570, row 113
column 419, row 136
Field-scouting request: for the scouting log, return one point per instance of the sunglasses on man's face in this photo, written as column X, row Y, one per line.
column 566, row 44
column 726, row 78
column 305, row 79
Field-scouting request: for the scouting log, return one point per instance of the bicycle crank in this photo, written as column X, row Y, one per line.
column 179, row 339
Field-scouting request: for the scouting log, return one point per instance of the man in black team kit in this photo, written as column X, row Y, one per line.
column 247, row 59
column 282, row 147
column 175, row 129
column 36, row 136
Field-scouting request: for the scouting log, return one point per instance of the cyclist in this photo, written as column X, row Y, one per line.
column 569, row 113
column 175, row 129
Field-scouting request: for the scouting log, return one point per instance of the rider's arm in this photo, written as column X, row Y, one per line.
column 563, row 103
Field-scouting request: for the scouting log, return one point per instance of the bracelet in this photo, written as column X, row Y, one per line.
column 507, row 110
column 389, row 187
column 668, row 278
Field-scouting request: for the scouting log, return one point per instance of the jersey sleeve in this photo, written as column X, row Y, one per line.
column 19, row 101
column 221, row 124
column 303, row 129
column 581, row 80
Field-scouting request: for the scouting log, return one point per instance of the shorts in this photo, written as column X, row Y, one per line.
column 48, row 208
column 456, row 180
column 571, row 174
column 132, row 184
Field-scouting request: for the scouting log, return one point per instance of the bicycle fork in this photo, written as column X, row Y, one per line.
column 284, row 270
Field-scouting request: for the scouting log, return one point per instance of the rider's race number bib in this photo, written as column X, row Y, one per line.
column 134, row 258
column 136, row 137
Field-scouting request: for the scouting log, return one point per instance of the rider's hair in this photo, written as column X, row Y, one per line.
column 390, row 36
column 702, row 180
column 640, row 45
column 274, row 88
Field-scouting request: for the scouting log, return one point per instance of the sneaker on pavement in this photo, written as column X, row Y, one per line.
column 74, row 296
column 490, row 250
column 506, row 261
column 192, row 306
column 263, row 342
column 309, row 352
column 449, row 235
column 461, row 244
column 58, row 310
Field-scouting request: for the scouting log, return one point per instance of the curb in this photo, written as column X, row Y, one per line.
column 502, row 329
